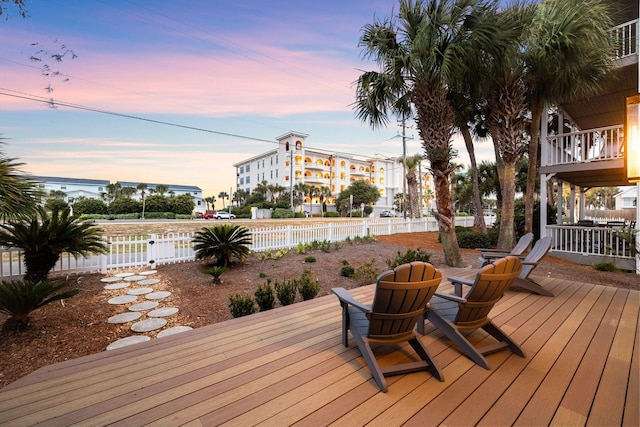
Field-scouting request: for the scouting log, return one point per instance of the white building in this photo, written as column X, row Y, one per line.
column 75, row 188
column 292, row 163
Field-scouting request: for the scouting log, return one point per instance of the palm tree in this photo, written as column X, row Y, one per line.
column 142, row 187
column 568, row 54
column 411, row 164
column 223, row 195
column 113, row 192
column 222, row 243
column 18, row 194
column 160, row 189
column 128, row 191
column 421, row 57
column 211, row 203
column 44, row 238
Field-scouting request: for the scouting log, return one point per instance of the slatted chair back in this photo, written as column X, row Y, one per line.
column 490, row 285
column 522, row 244
column 539, row 250
column 401, row 298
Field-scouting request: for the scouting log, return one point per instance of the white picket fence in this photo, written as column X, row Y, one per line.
column 150, row 251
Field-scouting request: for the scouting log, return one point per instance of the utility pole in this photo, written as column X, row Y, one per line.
column 404, row 169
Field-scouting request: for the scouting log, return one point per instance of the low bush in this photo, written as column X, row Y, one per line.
column 331, row 214
column 308, row 287
column 409, row 256
column 216, row 272
column 470, row 239
column 241, row 305
column 366, row 273
column 346, row 270
column 604, row 266
column 264, row 296
column 310, row 258
column 286, row 291
column 282, row 213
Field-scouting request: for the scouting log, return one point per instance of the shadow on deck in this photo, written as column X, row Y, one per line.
column 288, row 366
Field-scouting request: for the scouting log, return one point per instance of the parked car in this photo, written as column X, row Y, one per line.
column 224, row 215
column 387, row 214
column 209, row 214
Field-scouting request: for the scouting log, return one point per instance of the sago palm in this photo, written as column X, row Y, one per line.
column 43, row 238
column 222, row 243
column 18, row 193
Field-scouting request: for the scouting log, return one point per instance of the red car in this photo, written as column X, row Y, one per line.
column 209, row 215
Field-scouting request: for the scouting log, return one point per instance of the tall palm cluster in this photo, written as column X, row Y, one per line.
column 462, row 65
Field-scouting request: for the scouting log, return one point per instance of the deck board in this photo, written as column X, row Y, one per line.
column 288, row 367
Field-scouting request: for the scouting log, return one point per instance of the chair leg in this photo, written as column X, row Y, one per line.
column 458, row 339
column 424, row 354
column 498, row 334
column 345, row 324
column 370, row 358
column 530, row 286
column 420, row 324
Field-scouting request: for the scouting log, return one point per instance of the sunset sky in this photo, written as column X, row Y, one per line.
column 232, row 75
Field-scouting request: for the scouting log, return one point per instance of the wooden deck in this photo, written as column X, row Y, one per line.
column 288, row 366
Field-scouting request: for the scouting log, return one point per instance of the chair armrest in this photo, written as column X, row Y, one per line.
column 529, row 263
column 460, row 280
column 491, row 250
column 451, row 297
column 346, row 298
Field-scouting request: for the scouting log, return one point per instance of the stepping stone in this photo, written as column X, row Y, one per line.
column 127, row 341
column 125, row 317
column 113, row 286
column 147, row 305
column 134, row 278
column 163, row 312
column 174, row 330
column 123, row 299
column 140, row 291
column 158, row 295
column 123, row 274
column 148, row 325
column 147, row 282
column 148, row 272
column 110, row 279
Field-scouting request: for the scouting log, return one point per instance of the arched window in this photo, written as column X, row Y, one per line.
column 343, row 163
column 307, row 173
column 307, row 159
column 298, row 145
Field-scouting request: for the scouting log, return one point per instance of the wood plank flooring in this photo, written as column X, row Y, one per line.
column 288, row 367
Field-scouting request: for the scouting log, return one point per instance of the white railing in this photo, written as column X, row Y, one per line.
column 150, row 251
column 626, row 37
column 601, row 241
column 585, row 146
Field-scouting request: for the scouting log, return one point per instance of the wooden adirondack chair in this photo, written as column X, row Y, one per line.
column 455, row 314
column 529, row 263
column 488, row 255
column 401, row 297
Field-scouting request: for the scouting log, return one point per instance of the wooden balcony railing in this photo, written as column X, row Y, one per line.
column 626, row 37
column 585, row 146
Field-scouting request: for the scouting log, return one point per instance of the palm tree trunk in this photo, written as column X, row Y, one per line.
column 446, row 221
column 478, row 221
column 532, row 169
column 508, row 186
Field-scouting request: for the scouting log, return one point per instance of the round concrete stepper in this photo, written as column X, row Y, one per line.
column 127, row 341
column 148, row 272
column 128, row 316
column 134, row 278
column 123, row 299
column 124, row 274
column 110, row 279
column 140, row 291
column 158, row 295
column 147, row 305
column 163, row 312
column 148, row 325
column 114, row 286
column 147, row 282
column 174, row 330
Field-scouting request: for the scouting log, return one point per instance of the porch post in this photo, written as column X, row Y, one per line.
column 581, row 207
column 543, row 205
column 559, row 188
column 572, row 204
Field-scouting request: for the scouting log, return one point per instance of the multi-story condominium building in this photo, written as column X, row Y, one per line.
column 75, row 188
column 292, row 162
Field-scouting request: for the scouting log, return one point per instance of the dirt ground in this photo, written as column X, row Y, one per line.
column 78, row 326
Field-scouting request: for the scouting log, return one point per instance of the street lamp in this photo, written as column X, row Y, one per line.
column 632, row 139
column 142, row 193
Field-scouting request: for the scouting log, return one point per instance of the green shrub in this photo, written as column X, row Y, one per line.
column 366, row 273
column 301, row 248
column 307, row 286
column 18, row 298
column 604, row 266
column 331, row 214
column 222, row 242
column 264, row 296
column 286, row 291
column 473, row 239
column 346, row 270
column 282, row 213
column 241, row 305
column 310, row 258
column 409, row 256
